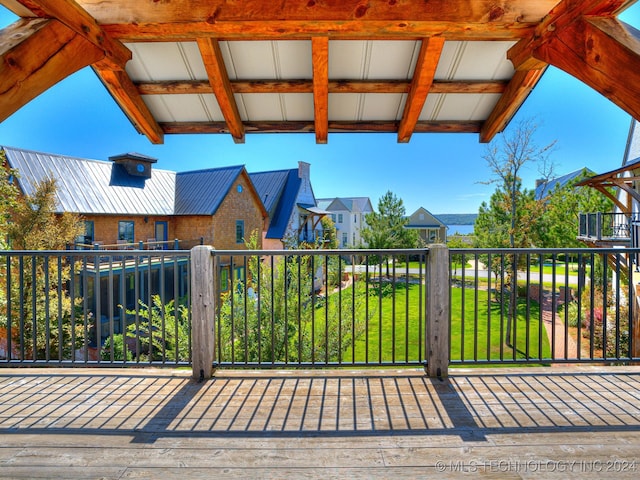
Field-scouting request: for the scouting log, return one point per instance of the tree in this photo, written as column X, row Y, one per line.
column 29, row 222
column 513, row 216
column 386, row 228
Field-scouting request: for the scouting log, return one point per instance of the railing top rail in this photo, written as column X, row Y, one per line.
column 545, row 251
column 96, row 253
column 340, row 251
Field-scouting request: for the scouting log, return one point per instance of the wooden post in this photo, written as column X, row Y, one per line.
column 203, row 280
column 437, row 311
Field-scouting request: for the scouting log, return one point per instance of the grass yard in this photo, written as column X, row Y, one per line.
column 396, row 334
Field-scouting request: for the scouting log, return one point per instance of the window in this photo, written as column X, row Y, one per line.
column 339, row 218
column 355, row 218
column 354, row 238
column 333, row 217
column 88, row 237
column 345, row 239
column 239, row 231
column 126, row 231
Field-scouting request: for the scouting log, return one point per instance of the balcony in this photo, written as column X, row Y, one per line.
column 319, row 363
column 609, row 229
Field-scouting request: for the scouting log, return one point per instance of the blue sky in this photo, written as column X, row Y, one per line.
column 439, row 172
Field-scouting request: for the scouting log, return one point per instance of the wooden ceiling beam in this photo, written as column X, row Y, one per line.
column 126, row 95
column 203, row 87
column 425, row 70
column 586, row 41
column 309, row 127
column 320, row 63
column 219, row 80
column 519, row 88
column 77, row 19
column 488, row 19
column 35, row 54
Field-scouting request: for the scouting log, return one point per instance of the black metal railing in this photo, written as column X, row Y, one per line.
column 543, row 306
column 319, row 308
column 310, row 308
column 94, row 308
column 606, row 226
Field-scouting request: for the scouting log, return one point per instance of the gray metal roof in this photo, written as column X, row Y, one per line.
column 351, row 204
column 94, row 186
column 270, row 186
column 200, row 192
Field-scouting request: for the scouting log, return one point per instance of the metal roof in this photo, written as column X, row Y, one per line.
column 351, row 204
column 200, row 192
column 322, row 66
column 547, row 187
column 93, row 186
column 270, row 186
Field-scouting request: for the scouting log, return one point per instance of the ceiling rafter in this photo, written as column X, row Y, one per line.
column 585, row 40
column 425, row 70
column 77, row 19
column 320, row 62
column 309, row 127
column 35, row 54
column 519, row 88
column 200, row 87
column 219, row 80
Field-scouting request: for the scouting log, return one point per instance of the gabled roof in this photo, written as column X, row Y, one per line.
column 632, row 149
column 429, row 220
column 200, row 192
column 270, row 186
column 94, row 186
column 559, row 182
column 351, row 204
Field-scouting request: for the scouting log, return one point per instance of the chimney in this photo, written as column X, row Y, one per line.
column 303, row 170
column 135, row 164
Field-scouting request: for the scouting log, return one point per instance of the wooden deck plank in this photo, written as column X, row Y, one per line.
column 150, row 423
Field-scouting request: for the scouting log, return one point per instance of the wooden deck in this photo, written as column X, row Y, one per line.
column 507, row 423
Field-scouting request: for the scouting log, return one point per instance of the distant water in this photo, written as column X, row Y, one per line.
column 460, row 229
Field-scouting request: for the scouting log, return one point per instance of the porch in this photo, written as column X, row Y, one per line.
column 160, row 423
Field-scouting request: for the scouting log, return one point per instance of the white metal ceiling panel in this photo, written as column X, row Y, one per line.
column 372, row 59
column 458, row 107
column 184, row 108
column 394, row 60
column 158, row 61
column 344, row 107
column 298, row 106
column 382, row 106
column 263, row 107
column 267, row 60
column 475, row 61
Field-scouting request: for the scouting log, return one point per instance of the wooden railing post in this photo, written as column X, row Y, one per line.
column 203, row 280
column 437, row 311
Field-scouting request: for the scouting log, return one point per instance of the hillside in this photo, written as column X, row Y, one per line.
column 457, row 218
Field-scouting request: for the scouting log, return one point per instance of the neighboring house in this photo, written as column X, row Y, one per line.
column 545, row 188
column 126, row 201
column 430, row 229
column 622, row 226
column 349, row 216
column 293, row 212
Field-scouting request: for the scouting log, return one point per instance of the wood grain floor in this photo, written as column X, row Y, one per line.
column 497, row 423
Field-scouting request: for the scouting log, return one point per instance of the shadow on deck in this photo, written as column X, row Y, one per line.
column 158, row 423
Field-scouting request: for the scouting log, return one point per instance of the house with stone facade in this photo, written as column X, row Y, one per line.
column 126, row 203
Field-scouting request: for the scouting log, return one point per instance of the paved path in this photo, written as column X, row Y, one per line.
column 560, row 349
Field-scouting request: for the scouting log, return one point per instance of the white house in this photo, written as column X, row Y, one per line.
column 348, row 214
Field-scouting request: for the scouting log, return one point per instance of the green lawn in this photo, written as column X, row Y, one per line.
column 395, row 335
